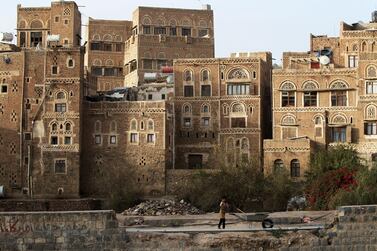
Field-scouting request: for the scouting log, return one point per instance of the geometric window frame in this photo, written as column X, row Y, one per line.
column 370, row 112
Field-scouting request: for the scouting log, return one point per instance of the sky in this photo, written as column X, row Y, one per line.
column 240, row 25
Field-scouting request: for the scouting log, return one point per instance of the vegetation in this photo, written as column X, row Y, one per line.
column 339, row 177
column 245, row 188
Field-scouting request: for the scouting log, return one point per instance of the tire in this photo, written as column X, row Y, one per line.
column 267, row 223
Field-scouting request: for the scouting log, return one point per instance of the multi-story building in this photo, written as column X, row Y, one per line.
column 40, row 101
column 34, row 25
column 325, row 97
column 105, row 52
column 160, row 35
column 221, row 109
column 134, row 135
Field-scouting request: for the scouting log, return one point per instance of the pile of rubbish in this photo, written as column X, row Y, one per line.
column 162, row 207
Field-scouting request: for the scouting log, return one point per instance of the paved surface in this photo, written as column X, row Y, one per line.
column 215, row 230
column 284, row 221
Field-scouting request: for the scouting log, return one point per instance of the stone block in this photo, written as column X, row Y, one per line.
column 40, row 240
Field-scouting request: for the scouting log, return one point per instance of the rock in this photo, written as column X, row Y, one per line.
column 162, row 207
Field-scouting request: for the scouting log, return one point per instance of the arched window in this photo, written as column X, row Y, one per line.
column 318, row 125
column 245, row 144
column 188, row 76
column 288, row 120
column 54, row 127
column 98, row 126
column 68, row 126
column 141, row 125
column 205, row 75
column 373, row 47
column 338, row 93
column 107, row 37
column 186, row 109
column 60, row 95
column 150, row 125
column 238, row 73
column 238, row 108
column 36, row 24
column 113, row 126
column 310, row 93
column 205, row 108
column 70, row 63
column 295, row 168
column 364, row 46
column 339, row 120
column 355, row 47
column 371, row 71
column 133, row 125
column 288, row 94
column 371, row 112
column 278, row 165
column 226, row 109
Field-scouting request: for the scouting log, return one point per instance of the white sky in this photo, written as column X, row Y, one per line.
column 240, row 25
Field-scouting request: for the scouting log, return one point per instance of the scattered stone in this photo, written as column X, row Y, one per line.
column 162, row 207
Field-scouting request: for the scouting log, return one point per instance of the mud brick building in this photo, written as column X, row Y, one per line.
column 325, row 97
column 133, row 135
column 221, row 109
column 160, row 35
column 41, row 96
column 63, row 18
column 105, row 52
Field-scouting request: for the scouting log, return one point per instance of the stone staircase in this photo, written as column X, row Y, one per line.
column 355, row 229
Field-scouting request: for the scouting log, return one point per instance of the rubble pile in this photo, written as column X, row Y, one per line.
column 162, row 207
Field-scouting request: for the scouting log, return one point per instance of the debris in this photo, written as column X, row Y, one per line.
column 162, row 207
column 296, row 203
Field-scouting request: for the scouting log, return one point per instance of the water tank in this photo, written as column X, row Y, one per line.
column 6, row 37
column 206, row 7
column 53, row 38
column 374, row 17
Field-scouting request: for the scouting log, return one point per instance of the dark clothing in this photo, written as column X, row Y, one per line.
column 222, row 221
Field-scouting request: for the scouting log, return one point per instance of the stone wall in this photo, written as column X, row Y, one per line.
column 81, row 230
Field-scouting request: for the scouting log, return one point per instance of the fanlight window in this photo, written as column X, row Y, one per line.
column 339, row 119
column 205, row 109
column 288, row 120
column 238, row 74
column 339, row 85
column 288, row 86
column 205, row 76
column 318, row 120
column 371, row 112
column 187, row 76
column 60, row 95
column 238, row 108
column 310, row 86
column 371, row 72
column 244, row 144
column 150, row 125
column 186, row 109
column 133, row 125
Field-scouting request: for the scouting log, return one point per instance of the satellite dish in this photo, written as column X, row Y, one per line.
column 324, row 60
